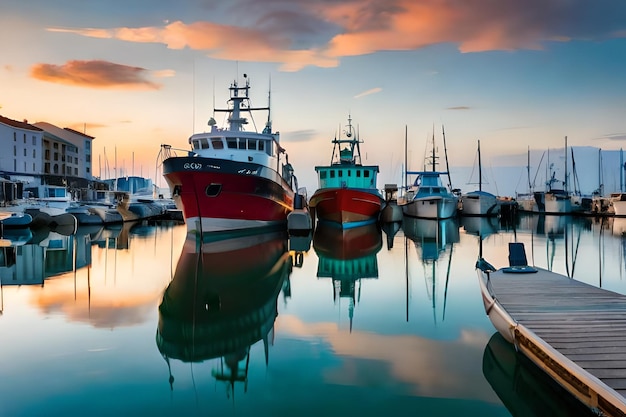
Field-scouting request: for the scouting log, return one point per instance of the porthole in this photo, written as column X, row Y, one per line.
column 213, row 190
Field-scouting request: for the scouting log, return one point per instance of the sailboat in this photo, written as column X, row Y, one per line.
column 526, row 201
column 555, row 200
column 428, row 198
column 479, row 202
column 618, row 199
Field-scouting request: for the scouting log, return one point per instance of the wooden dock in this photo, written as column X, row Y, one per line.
column 575, row 332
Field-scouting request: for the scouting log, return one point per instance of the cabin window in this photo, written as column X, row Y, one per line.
column 358, row 173
column 231, row 143
column 322, row 175
column 242, row 143
column 261, row 145
column 340, row 173
column 332, row 173
column 349, row 172
column 366, row 174
column 252, row 144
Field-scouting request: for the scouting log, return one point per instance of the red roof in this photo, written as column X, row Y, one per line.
column 21, row 125
column 78, row 133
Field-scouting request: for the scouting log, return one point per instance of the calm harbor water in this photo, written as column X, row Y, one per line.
column 142, row 320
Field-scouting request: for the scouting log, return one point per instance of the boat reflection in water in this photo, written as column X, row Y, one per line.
column 347, row 256
column 524, row 389
column 222, row 300
column 28, row 258
column 432, row 239
column 483, row 227
column 391, row 229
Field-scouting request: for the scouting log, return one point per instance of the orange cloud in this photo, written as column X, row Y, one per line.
column 319, row 33
column 95, row 74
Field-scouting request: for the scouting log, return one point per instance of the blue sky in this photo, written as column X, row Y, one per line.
column 516, row 75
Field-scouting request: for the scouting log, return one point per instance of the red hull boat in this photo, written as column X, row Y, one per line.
column 232, row 179
column 347, row 193
column 346, row 205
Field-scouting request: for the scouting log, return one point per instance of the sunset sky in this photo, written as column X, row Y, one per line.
column 139, row 73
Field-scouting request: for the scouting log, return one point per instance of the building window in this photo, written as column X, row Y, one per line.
column 24, row 137
column 33, row 167
column 14, row 136
column 55, row 145
column 55, row 168
column 14, row 150
column 34, row 140
column 56, row 156
column 87, row 144
column 87, row 169
column 24, row 154
column 34, row 153
column 15, row 165
column 24, row 166
column 76, row 171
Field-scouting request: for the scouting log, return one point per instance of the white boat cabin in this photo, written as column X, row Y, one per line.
column 427, row 184
column 252, row 147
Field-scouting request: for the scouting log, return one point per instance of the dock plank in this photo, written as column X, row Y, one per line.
column 584, row 323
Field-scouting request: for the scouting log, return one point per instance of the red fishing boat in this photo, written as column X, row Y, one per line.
column 347, row 192
column 232, row 179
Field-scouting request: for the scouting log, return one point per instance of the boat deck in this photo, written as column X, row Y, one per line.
column 574, row 331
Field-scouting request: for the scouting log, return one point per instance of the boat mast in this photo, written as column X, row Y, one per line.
column 235, row 120
column 445, row 152
column 434, row 160
column 480, row 172
column 565, row 180
column 405, row 157
column 528, row 171
column 621, row 171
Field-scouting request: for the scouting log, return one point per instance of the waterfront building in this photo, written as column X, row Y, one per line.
column 43, row 154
